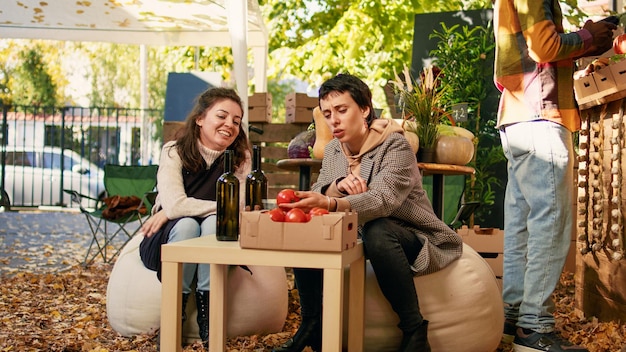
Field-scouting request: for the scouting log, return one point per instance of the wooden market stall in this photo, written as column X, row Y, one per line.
column 600, row 263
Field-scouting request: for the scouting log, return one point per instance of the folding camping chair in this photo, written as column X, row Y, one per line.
column 123, row 181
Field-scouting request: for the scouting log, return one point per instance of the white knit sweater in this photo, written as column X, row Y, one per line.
column 172, row 197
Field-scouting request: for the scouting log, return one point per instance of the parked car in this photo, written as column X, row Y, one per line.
column 35, row 176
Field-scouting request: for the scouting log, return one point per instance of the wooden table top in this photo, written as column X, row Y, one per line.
column 295, row 164
column 427, row 168
column 445, row 169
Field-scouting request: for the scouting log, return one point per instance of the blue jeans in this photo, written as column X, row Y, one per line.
column 188, row 228
column 538, row 219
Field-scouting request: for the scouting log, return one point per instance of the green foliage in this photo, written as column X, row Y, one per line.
column 33, row 84
column 367, row 38
column 465, row 55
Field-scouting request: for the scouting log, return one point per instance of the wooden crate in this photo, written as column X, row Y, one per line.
column 299, row 108
column 260, row 107
column 489, row 243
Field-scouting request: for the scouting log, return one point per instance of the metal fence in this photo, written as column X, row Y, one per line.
column 44, row 150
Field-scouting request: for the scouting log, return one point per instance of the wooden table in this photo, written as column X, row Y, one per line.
column 221, row 254
column 438, row 171
column 304, row 166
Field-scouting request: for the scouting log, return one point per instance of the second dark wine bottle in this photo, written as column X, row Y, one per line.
column 256, row 182
column 227, row 191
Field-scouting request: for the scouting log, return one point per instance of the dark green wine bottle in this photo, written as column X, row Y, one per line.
column 228, row 202
column 256, row 182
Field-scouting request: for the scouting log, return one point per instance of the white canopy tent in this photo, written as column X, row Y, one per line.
column 234, row 23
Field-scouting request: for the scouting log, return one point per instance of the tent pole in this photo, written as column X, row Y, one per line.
column 145, row 141
column 237, row 11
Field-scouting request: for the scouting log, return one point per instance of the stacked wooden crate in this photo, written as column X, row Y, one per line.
column 260, row 107
column 300, row 108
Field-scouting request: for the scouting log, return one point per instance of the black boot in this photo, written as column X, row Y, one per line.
column 202, row 304
column 309, row 334
column 417, row 341
column 185, row 299
column 309, row 285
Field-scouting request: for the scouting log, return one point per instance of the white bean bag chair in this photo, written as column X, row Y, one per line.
column 257, row 303
column 462, row 302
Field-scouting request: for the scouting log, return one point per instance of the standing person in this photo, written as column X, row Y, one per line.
column 186, row 205
column 534, row 69
column 370, row 168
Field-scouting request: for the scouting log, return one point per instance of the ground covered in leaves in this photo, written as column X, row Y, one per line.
column 48, row 302
column 66, row 311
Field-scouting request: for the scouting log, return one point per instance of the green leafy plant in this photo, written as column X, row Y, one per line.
column 422, row 104
column 465, row 56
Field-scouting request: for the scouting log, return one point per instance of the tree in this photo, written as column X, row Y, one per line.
column 33, row 84
column 313, row 40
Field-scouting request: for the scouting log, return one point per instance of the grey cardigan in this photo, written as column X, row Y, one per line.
column 394, row 190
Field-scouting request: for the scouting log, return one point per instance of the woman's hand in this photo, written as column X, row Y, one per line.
column 308, row 200
column 154, row 223
column 352, row 184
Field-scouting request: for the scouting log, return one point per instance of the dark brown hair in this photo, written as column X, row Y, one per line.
column 188, row 142
column 358, row 90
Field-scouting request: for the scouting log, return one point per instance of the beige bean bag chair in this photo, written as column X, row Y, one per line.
column 257, row 303
column 463, row 303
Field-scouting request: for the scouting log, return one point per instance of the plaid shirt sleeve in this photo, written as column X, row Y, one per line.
column 535, row 62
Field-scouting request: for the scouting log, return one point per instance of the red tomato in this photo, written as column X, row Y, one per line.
column 286, row 196
column 318, row 211
column 295, row 215
column 619, row 44
column 277, row 215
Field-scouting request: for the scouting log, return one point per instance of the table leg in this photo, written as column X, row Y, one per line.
column 217, row 308
column 171, row 306
column 356, row 319
column 332, row 314
column 438, row 195
column 305, row 178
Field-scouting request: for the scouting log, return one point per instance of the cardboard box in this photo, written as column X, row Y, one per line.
column 618, row 71
column 487, row 240
column 299, row 115
column 601, row 86
column 584, row 88
column 260, row 99
column 489, row 243
column 604, row 81
column 301, row 100
column 332, row 232
column 260, row 114
column 496, row 262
